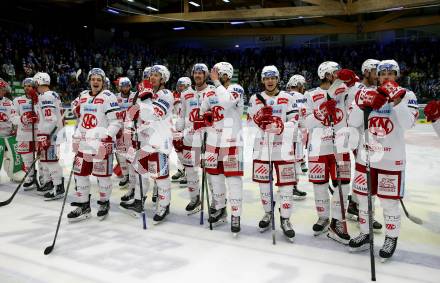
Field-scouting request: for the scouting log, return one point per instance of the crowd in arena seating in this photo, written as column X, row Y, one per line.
column 23, row 52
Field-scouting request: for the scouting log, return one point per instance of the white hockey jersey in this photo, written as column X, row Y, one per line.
column 50, row 116
column 281, row 145
column 320, row 130
column 386, row 132
column 226, row 105
column 155, row 125
column 191, row 101
column 299, row 104
column 6, row 111
column 98, row 119
column 22, row 105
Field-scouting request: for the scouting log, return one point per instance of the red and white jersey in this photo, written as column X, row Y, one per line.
column 191, row 101
column 177, row 108
column 6, row 110
column 320, row 130
column 352, row 91
column 22, row 105
column 155, row 125
column 386, row 132
column 300, row 104
column 124, row 104
column 49, row 111
column 226, row 105
column 281, row 145
column 99, row 118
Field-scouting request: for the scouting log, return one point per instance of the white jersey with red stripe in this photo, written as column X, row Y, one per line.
column 352, row 93
column 281, row 145
column 387, row 126
column 155, row 125
column 49, row 111
column 191, row 101
column 320, row 130
column 98, row 118
column 226, row 105
column 177, row 108
column 22, row 105
column 125, row 101
column 300, row 104
column 6, row 110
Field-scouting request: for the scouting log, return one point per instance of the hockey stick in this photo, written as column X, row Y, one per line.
column 370, row 202
column 50, row 248
column 204, row 182
column 272, row 203
column 34, row 147
column 141, row 189
column 413, row 218
column 8, row 201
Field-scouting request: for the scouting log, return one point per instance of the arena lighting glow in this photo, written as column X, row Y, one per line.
column 236, row 23
column 85, row 26
column 179, row 28
column 194, row 4
column 112, row 11
column 394, row 9
column 131, row 1
column 152, row 9
column 226, row 1
column 237, row 46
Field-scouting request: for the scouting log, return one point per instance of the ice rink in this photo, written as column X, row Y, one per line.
column 180, row 250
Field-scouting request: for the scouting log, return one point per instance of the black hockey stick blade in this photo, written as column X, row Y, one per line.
column 413, row 218
column 8, row 201
column 261, row 98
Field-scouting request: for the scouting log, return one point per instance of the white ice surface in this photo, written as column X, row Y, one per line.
column 180, row 250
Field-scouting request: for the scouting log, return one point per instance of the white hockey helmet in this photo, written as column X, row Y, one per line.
column 369, row 65
column 388, row 65
column 184, row 81
column 162, row 70
column 296, row 80
column 41, row 78
column 107, row 83
column 269, row 72
column 28, row 81
column 224, row 68
column 200, row 67
column 98, row 72
column 327, row 67
column 124, row 81
column 146, row 73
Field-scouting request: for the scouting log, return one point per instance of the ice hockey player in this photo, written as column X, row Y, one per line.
column 125, row 100
column 273, row 114
column 369, row 80
column 297, row 87
column 50, row 124
column 153, row 114
column 221, row 111
column 182, row 84
column 192, row 139
column 327, row 123
column 432, row 113
column 93, row 143
column 394, row 110
column 9, row 158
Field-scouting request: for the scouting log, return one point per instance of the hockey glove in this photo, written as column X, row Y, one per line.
column 328, row 109
column 43, row 142
column 392, row 90
column 29, row 118
column 348, row 76
column 432, row 111
column 145, row 89
column 369, row 98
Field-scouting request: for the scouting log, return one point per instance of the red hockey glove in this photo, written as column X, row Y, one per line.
column 29, row 118
column 348, row 76
column 263, row 116
column 274, row 125
column 328, row 109
column 369, row 98
column 392, row 90
column 178, row 144
column 145, row 89
column 432, row 111
column 33, row 95
column 43, row 142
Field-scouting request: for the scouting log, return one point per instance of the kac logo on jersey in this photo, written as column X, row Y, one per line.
column 89, row 121
column 216, row 113
column 380, row 126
